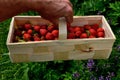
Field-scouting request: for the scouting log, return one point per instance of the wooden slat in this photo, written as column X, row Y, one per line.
column 102, row 54
column 78, row 55
column 41, row 57
column 108, row 30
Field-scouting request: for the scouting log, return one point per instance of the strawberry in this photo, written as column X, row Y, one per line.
column 83, row 35
column 92, row 32
column 55, row 27
column 50, row 28
column 42, row 38
column 100, row 34
column 36, row 34
column 92, row 36
column 87, row 27
column 95, row 26
column 77, row 29
column 43, row 26
column 100, row 29
column 43, row 32
column 36, row 38
column 49, row 36
column 82, row 29
column 71, row 29
column 26, row 37
column 71, row 36
column 18, row 33
column 55, row 33
column 29, row 31
column 27, row 26
column 36, row 28
column 78, row 33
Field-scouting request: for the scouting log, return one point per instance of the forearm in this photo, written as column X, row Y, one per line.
column 9, row 8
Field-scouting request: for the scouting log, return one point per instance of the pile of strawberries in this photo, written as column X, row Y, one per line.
column 86, row 31
column 29, row 32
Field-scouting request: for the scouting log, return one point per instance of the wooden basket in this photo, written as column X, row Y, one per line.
column 62, row 49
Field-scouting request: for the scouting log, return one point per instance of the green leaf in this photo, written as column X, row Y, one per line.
column 25, row 75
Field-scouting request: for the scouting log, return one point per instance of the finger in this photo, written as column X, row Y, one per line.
column 69, row 19
column 68, row 1
column 69, row 15
column 55, row 21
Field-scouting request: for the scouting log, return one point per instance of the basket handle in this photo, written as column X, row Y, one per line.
column 62, row 29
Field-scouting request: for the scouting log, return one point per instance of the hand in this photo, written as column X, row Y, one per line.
column 52, row 10
column 49, row 9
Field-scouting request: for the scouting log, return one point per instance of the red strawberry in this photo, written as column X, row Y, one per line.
column 42, row 38
column 82, row 29
column 27, row 26
column 36, row 34
column 100, row 29
column 55, row 27
column 26, row 37
column 71, row 29
column 87, row 27
column 91, row 36
column 100, row 34
column 92, row 32
column 71, row 36
column 83, row 35
column 78, row 33
column 55, row 33
column 29, row 31
column 36, row 38
column 43, row 26
column 18, row 33
column 95, row 26
column 36, row 28
column 77, row 29
column 43, row 32
column 49, row 36
column 50, row 28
